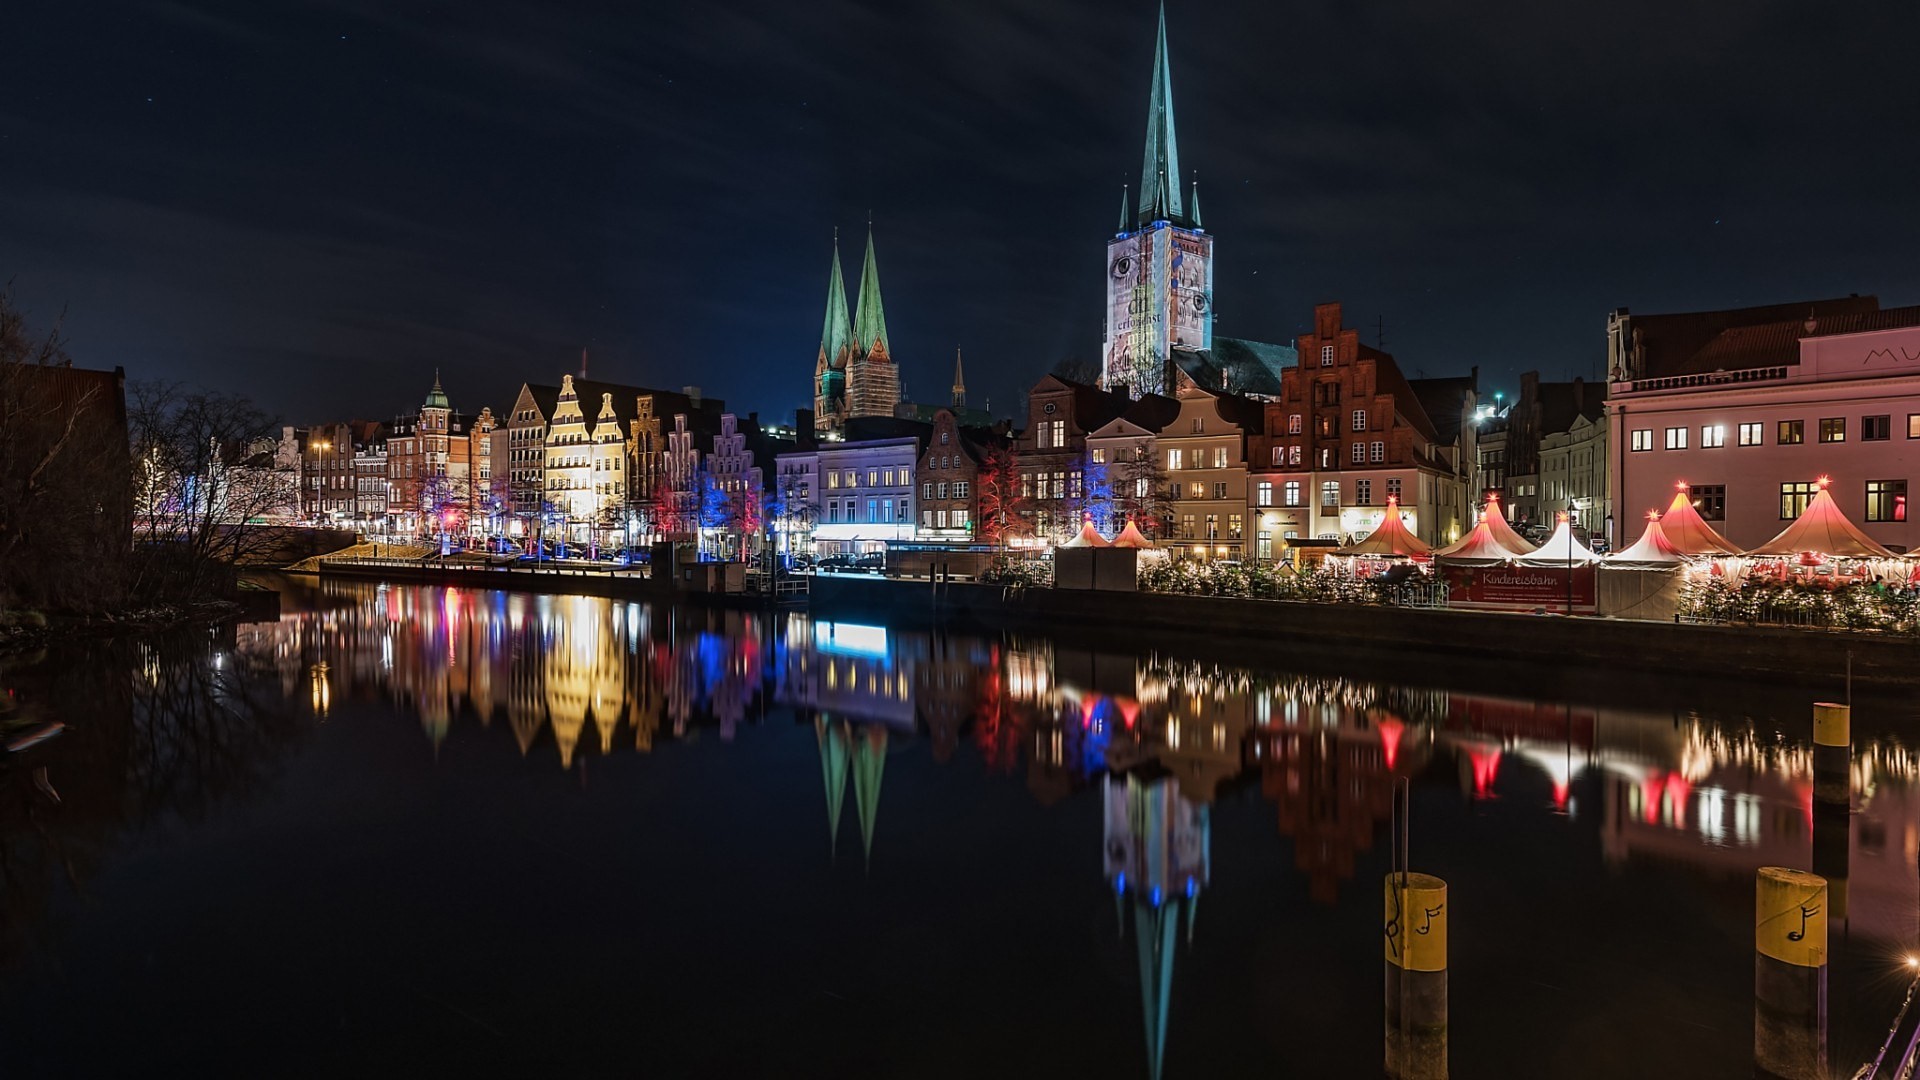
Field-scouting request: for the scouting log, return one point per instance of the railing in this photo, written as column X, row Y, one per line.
column 1713, row 378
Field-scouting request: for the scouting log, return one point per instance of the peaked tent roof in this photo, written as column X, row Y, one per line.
column 869, row 317
column 1824, row 530
column 1131, row 537
column 1686, row 530
column 1160, row 165
column 837, row 333
column 1087, row 537
column 1652, row 549
column 1502, row 531
column 1390, row 540
column 1483, row 546
column 1560, row 549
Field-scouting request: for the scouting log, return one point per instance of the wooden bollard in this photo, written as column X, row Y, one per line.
column 1416, row 955
column 1789, row 975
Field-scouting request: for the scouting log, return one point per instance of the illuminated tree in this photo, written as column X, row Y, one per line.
column 1143, row 494
column 1002, row 509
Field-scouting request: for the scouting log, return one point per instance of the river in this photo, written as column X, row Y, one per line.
column 456, row 831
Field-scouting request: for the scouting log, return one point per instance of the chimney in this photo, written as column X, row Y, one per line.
column 693, row 394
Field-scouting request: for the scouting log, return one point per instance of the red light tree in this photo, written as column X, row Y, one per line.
column 1001, row 507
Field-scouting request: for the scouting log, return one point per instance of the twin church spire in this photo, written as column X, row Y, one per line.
column 855, row 374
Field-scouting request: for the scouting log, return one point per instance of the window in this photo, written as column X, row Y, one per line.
column 1186, row 526
column 1279, row 455
column 1099, row 456
column 1886, row 500
column 1359, row 454
column 1795, row 496
column 1196, row 490
column 1363, row 492
column 1330, row 494
column 926, row 519
column 1290, row 491
column 1710, row 500
column 1293, row 424
column 1293, row 455
column 940, row 519
column 940, row 491
column 1876, row 428
column 1326, row 356
column 1220, row 491
column 1713, row 435
column 1833, row 429
column 1676, row 438
column 1235, row 526
column 1174, row 459
column 1913, row 425
column 905, row 514
column 960, row 489
column 873, row 477
column 1264, row 493
column 1219, row 457
column 926, row 491
column 1642, row 439
column 1377, row 452
column 1359, row 420
column 853, row 480
column 1393, row 487
column 959, row 519
column 1791, row 433
column 873, row 510
column 1053, row 433
column 1213, row 526
column 1198, row 425
column 1750, row 434
column 1326, row 457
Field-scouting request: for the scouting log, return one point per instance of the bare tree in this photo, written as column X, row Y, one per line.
column 204, row 484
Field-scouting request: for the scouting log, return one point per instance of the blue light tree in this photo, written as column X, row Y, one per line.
column 1098, row 502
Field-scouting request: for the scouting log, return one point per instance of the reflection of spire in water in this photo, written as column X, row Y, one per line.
column 833, row 766
column 1158, row 852
column 869, row 766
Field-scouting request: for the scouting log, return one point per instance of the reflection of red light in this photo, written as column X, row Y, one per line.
column 1086, row 712
column 1678, row 791
column 1899, row 508
column 1486, row 767
column 1650, row 797
column 1390, row 732
column 1560, row 794
column 1129, row 710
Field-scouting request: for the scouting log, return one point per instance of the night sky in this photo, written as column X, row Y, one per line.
column 317, row 204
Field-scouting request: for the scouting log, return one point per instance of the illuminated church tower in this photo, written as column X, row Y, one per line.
column 854, row 374
column 1160, row 262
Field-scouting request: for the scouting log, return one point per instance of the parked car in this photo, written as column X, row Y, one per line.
column 852, row 564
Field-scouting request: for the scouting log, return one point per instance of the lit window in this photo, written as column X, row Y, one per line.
column 1293, row 455
column 1833, row 429
column 1642, row 439
column 1794, row 497
column 1676, row 438
column 1713, row 435
column 1886, row 500
column 1290, row 491
column 1264, row 493
column 1363, row 492
column 1330, row 494
column 1750, row 434
column 1791, row 433
column 1219, row 457
column 1293, row 423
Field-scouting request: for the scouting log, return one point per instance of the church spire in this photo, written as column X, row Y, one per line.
column 1160, row 169
column 869, row 318
column 837, row 333
column 959, row 381
column 1126, row 211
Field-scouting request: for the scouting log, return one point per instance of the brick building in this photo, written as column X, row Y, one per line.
column 949, row 482
column 1347, row 432
column 1052, row 451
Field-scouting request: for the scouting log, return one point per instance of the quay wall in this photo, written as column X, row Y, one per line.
column 1608, row 648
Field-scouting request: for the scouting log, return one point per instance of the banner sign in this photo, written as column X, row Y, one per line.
column 1520, row 586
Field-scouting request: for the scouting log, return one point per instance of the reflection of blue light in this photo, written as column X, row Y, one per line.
column 1156, row 896
column 1190, row 887
column 850, row 639
column 1120, row 883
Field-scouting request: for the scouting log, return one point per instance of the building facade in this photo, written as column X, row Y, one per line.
column 1752, row 408
column 1347, row 433
column 1204, row 451
column 428, row 469
column 867, row 495
column 949, row 476
column 1052, row 452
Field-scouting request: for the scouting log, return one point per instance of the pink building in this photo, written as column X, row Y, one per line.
column 1751, row 407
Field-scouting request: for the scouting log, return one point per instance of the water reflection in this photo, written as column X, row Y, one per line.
column 1162, row 744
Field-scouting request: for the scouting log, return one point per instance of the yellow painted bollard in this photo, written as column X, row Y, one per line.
column 1789, row 975
column 1832, row 801
column 1416, row 955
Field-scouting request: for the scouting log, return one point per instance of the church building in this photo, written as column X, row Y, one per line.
column 855, row 374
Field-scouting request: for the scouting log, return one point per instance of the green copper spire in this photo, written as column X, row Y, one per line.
column 833, row 767
column 1193, row 204
column 869, row 318
column 436, row 397
column 869, row 767
column 1126, row 211
column 837, row 334
column 1160, row 170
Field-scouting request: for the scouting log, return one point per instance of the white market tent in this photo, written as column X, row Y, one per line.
column 1088, row 537
column 1560, row 549
column 1652, row 551
column 1391, row 540
column 1684, row 528
column 1823, row 530
column 1491, row 541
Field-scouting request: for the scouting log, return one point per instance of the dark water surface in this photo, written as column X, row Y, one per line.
column 448, row 831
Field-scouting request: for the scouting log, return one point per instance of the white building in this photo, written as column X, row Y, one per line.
column 866, row 495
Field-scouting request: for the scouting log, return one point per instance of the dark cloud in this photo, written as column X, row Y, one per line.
column 319, row 203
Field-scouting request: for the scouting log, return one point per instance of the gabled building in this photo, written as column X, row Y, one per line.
column 1203, row 450
column 949, row 477
column 1347, row 433
column 1127, row 449
column 1052, row 451
column 428, row 469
